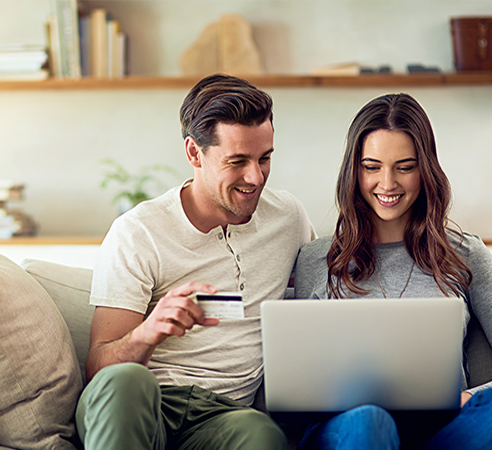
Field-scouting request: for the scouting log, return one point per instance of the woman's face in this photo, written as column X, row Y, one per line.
column 389, row 181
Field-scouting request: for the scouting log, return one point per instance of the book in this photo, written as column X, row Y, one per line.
column 9, row 190
column 8, row 65
column 99, row 43
column 20, row 58
column 113, row 51
column 21, row 48
column 54, row 50
column 72, row 37
column 63, row 37
column 38, row 75
column 85, row 43
column 123, row 54
column 68, row 32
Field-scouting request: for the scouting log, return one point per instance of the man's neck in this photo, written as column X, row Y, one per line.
column 202, row 216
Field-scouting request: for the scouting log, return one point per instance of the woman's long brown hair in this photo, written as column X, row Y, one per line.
column 351, row 257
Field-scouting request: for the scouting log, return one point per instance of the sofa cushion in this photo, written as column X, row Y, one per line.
column 70, row 288
column 478, row 354
column 40, row 379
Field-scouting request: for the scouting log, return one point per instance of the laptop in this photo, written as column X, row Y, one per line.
column 327, row 356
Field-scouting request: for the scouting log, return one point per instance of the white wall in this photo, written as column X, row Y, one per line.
column 54, row 141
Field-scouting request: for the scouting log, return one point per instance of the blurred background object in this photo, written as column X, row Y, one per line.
column 472, row 42
column 226, row 46
column 13, row 222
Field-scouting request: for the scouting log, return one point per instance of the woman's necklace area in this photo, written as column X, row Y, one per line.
column 404, row 287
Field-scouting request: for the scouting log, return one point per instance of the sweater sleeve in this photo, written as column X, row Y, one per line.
column 479, row 260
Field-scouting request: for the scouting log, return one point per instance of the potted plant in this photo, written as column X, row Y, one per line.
column 135, row 187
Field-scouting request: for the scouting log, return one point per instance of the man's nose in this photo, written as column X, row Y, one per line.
column 253, row 174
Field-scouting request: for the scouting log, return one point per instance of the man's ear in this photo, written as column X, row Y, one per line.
column 192, row 152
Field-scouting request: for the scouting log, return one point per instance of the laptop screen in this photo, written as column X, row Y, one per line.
column 333, row 355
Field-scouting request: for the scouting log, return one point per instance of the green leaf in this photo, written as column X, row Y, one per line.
column 136, row 187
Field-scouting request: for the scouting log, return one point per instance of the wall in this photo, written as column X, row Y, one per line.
column 54, row 141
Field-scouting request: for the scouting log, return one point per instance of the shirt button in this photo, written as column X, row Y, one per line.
column 229, row 235
column 221, row 236
column 241, row 287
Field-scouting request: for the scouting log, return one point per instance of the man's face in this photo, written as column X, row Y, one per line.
column 235, row 171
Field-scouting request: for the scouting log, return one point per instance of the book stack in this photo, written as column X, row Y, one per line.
column 8, row 223
column 22, row 62
column 85, row 44
column 14, row 222
column 103, row 45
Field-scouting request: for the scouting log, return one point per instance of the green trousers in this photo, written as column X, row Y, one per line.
column 124, row 408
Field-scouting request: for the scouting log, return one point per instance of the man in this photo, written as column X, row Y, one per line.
column 162, row 375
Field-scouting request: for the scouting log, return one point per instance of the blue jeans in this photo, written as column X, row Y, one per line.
column 371, row 427
column 361, row 428
column 471, row 429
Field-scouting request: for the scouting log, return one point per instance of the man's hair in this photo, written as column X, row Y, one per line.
column 351, row 257
column 222, row 99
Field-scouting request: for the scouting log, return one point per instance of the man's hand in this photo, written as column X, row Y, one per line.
column 119, row 335
column 174, row 314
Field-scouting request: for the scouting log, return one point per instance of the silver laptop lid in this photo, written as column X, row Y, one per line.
column 332, row 355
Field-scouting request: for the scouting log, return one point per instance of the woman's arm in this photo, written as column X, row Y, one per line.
column 479, row 259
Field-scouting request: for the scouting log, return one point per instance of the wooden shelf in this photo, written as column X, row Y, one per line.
column 177, row 82
column 52, row 240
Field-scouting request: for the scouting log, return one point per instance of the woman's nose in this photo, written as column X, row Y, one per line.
column 388, row 180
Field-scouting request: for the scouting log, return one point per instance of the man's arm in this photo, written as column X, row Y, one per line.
column 119, row 335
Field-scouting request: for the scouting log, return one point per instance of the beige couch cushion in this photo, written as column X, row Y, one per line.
column 70, row 288
column 39, row 374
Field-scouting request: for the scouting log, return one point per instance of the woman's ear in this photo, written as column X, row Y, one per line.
column 192, row 152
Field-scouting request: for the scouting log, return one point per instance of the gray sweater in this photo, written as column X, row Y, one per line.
column 394, row 264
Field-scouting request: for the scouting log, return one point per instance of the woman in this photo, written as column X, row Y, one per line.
column 392, row 240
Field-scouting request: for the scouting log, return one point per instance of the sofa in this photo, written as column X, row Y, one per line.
column 44, row 331
column 45, row 324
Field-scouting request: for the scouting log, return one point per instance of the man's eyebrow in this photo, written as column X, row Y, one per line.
column 247, row 156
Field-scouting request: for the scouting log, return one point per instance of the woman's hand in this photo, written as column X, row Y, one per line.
column 465, row 396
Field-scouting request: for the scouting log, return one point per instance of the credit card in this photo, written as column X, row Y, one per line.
column 222, row 305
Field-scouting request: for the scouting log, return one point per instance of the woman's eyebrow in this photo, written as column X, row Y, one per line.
column 400, row 161
column 406, row 160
